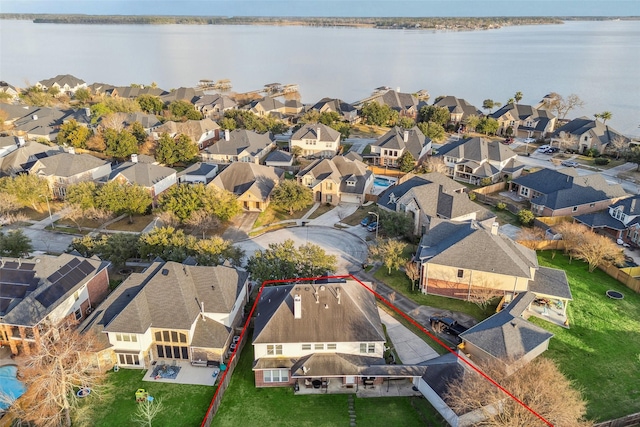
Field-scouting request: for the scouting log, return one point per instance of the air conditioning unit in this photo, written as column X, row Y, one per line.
column 89, row 310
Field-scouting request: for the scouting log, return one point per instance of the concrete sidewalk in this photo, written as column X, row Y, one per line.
column 410, row 348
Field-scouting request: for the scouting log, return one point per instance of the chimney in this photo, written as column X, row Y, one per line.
column 297, row 307
column 405, row 137
column 34, row 117
column 227, row 135
column 134, row 158
column 71, row 150
column 87, row 112
column 21, row 141
column 318, row 133
column 494, row 228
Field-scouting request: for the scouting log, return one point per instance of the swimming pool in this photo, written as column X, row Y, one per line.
column 382, row 182
column 9, row 386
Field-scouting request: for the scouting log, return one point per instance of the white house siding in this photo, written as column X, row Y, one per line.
column 295, row 350
column 163, row 184
column 70, row 305
column 350, row 198
column 101, row 171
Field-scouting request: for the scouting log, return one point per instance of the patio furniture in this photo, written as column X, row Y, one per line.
column 316, row 383
column 141, row 395
column 307, row 383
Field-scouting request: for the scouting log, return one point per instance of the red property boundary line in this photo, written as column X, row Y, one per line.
column 391, row 306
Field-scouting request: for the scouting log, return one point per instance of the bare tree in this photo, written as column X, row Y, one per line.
column 202, row 221
column 595, row 249
column 561, row 106
column 540, row 385
column 566, row 141
column 61, row 363
column 112, row 121
column 8, row 203
column 529, row 236
column 618, row 145
column 435, row 164
column 146, row 412
column 481, row 294
column 413, row 273
column 572, row 236
column 168, row 219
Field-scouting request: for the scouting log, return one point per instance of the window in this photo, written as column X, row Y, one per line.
column 318, row 347
column 170, row 336
column 306, row 347
column 329, row 185
column 332, row 346
column 275, row 375
column 129, row 359
column 274, row 349
column 118, row 337
column 78, row 314
column 524, row 191
column 127, row 337
column 592, row 205
column 329, row 198
column 460, row 274
column 367, row 347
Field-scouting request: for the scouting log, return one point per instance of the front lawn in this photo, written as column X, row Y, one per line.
column 358, row 215
column 601, row 350
column 399, row 281
column 273, row 214
column 184, row 405
column 245, row 404
column 138, row 224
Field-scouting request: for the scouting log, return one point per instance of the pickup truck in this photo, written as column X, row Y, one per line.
column 446, row 324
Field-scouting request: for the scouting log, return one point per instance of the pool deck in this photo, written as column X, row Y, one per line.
column 5, row 357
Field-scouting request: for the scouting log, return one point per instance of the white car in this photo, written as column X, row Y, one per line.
column 530, row 140
column 543, row 149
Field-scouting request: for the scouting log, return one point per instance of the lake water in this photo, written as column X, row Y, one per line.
column 599, row 61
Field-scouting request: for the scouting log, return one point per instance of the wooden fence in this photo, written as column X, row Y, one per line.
column 226, row 378
column 622, row 277
column 543, row 245
column 493, row 201
column 554, row 220
column 628, row 421
column 493, row 188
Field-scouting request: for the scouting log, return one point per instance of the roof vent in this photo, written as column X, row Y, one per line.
column 165, row 272
column 322, row 288
column 326, row 306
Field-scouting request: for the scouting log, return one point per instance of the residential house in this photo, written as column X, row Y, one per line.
column 148, row 121
column 39, row 123
column 406, row 104
column 328, row 333
column 431, row 195
column 199, row 172
column 188, row 94
column 583, row 134
column 266, row 106
column 316, row 139
column 134, row 92
column 346, row 111
column 506, row 338
column 172, row 311
column 152, row 177
column 524, row 121
column 250, row 182
column 65, row 169
column 10, row 91
column 293, row 107
column 215, row 105
column 24, row 156
column 9, row 144
column 459, row 109
column 202, row 132
column 337, row 180
column 621, row 221
column 279, row 159
column 565, row 193
column 390, row 147
column 239, row 145
column 105, row 89
column 46, row 290
column 476, row 159
column 66, row 83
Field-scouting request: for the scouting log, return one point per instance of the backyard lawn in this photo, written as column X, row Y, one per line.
column 272, row 214
column 183, row 405
column 245, row 403
column 399, row 281
column 601, row 350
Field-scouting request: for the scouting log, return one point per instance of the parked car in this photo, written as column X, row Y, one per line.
column 366, row 220
column 569, row 164
column 551, row 150
column 373, row 226
column 530, row 140
column 508, row 141
column 447, row 324
column 543, row 148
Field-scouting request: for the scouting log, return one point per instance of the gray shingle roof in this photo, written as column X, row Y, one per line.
column 199, row 168
column 595, row 128
column 471, row 245
column 279, row 156
column 442, row 371
column 143, row 174
column 394, row 139
column 551, row 281
column 398, row 101
column 24, row 156
column 310, row 131
column 62, row 79
column 210, row 334
column 240, row 177
column 600, row 220
column 340, row 169
column 171, row 296
column 506, row 335
column 241, row 141
column 477, row 149
column 457, row 106
column 68, row 165
column 540, row 117
column 354, row 319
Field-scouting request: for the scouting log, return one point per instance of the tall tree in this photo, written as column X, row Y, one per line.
column 488, row 126
column 82, row 194
column 539, row 384
column 389, row 252
column 83, row 96
column 180, row 109
column 379, row 115
column 518, row 96
column 490, row 104
column 406, row 162
column 413, row 273
column 150, row 104
column 123, row 199
column 28, row 189
column 166, row 150
column 186, row 149
column 433, row 131
column 561, row 106
column 604, row 116
column 472, row 121
column 201, row 221
column 183, row 200
column 120, row 145
column 291, row 196
column 221, row 203
column 74, row 134
column 435, row 114
column 61, row 363
column 15, row 244
column 137, row 130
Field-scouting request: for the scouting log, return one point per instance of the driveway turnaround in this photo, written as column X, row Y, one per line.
column 410, row 348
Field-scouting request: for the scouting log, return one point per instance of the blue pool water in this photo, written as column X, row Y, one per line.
column 9, row 385
column 382, row 182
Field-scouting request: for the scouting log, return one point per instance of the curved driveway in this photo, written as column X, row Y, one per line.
column 350, row 250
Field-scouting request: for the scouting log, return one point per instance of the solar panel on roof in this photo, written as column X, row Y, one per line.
column 4, row 304
column 54, row 277
column 12, row 291
column 11, row 265
column 27, row 266
column 73, row 263
column 64, row 269
column 86, row 267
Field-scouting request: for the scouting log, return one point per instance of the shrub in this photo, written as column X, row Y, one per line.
column 472, row 196
column 601, row 161
column 501, row 206
column 592, row 152
column 525, row 217
column 486, row 181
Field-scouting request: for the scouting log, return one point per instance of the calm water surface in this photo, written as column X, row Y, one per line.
column 599, row 61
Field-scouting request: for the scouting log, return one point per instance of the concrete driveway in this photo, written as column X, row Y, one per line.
column 335, row 215
column 350, row 249
column 410, row 348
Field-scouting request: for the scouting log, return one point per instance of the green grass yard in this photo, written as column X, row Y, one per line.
column 601, row 350
column 245, row 404
column 184, row 405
